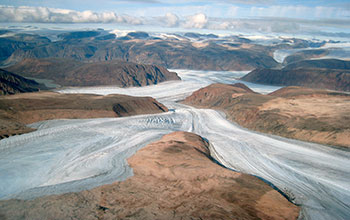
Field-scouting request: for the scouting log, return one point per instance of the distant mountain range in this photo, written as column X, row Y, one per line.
column 305, row 55
column 320, row 64
column 69, row 72
column 326, row 73
column 91, row 58
column 207, row 52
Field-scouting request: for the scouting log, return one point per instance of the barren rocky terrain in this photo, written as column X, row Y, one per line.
column 18, row 110
column 60, row 171
column 305, row 55
column 322, row 74
column 177, row 52
column 69, row 72
column 174, row 178
column 11, row 83
column 319, row 116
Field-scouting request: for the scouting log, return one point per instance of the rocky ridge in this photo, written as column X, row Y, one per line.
column 68, row 72
column 322, row 74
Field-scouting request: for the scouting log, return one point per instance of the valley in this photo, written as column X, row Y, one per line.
column 299, row 169
column 114, row 134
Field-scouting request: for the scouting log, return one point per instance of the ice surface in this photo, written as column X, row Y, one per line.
column 72, row 155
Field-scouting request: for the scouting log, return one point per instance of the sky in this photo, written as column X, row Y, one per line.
column 266, row 16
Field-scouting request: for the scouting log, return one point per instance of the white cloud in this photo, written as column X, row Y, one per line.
column 54, row 15
column 196, row 21
column 171, row 19
column 268, row 22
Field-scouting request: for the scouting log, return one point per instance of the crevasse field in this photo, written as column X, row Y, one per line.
column 73, row 155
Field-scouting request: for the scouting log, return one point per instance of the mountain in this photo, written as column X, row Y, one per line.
column 208, row 96
column 320, row 63
column 300, row 113
column 68, row 72
column 106, row 37
column 139, row 47
column 199, row 36
column 12, row 42
column 18, row 110
column 311, row 73
column 138, row 35
column 11, row 83
column 201, row 56
column 305, row 55
column 78, row 35
column 174, row 178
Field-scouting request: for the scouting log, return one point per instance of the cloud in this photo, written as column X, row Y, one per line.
column 196, row 21
column 54, row 15
column 171, row 20
column 264, row 24
column 291, row 26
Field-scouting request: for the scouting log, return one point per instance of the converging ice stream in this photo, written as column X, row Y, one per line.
column 73, row 155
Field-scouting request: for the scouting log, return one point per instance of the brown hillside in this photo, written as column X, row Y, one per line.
column 68, row 72
column 301, row 113
column 320, row 78
column 18, row 110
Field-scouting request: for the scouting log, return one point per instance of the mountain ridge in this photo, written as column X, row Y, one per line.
column 11, row 83
column 68, row 72
column 330, row 74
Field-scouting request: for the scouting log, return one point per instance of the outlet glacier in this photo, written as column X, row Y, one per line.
column 73, row 155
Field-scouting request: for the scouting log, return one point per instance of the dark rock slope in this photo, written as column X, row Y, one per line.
column 324, row 74
column 320, row 63
column 68, row 72
column 11, row 83
column 305, row 55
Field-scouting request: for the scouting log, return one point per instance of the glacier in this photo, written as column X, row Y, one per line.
column 77, row 154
